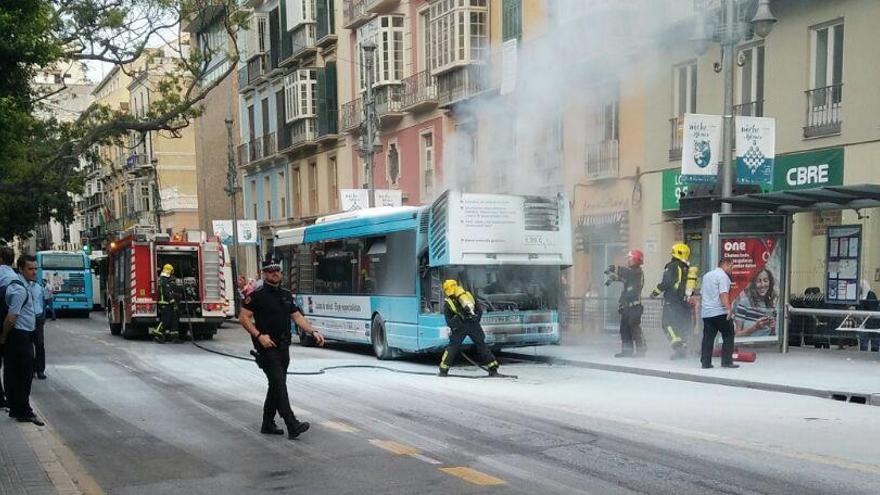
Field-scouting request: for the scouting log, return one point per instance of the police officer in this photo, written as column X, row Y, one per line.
column 630, row 303
column 18, row 348
column 7, row 275
column 463, row 316
column 676, row 319
column 266, row 314
column 38, row 294
column 169, row 317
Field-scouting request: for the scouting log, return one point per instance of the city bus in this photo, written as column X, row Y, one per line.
column 374, row 276
column 98, row 262
column 69, row 274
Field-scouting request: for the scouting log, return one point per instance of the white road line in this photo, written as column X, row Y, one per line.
column 427, row 459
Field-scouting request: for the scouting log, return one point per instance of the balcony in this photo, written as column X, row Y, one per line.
column 328, row 126
column 243, row 154
column 325, row 32
column 380, row 6
column 351, row 115
column 92, row 202
column 461, row 84
column 257, row 67
column 243, row 78
column 603, row 159
column 676, row 136
column 255, row 150
column 298, row 44
column 138, row 163
column 389, row 104
column 354, row 13
column 419, row 92
column 823, row 111
column 269, row 145
column 301, row 135
column 750, row 109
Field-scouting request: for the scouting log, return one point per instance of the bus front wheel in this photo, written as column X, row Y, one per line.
column 379, row 338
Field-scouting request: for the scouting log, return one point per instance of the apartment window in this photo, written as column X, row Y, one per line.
column 603, row 146
column 750, row 91
column 685, row 85
column 511, row 19
column 297, row 193
column 427, row 58
column 427, row 163
column 827, row 55
column 144, row 198
column 301, row 94
column 333, row 182
column 387, row 33
column 267, row 195
column 258, row 34
column 254, row 198
column 282, row 195
column 459, row 31
column 313, row 188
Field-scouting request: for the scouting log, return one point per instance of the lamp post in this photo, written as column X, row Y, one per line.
column 368, row 136
column 232, row 189
column 725, row 24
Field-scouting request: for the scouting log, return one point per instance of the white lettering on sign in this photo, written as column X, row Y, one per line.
column 810, row 174
column 731, row 246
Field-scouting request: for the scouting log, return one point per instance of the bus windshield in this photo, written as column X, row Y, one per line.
column 510, row 287
column 63, row 262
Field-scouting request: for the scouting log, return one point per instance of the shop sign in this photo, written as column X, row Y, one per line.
column 808, row 170
column 756, row 277
column 673, row 187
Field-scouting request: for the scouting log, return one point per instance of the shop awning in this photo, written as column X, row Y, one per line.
column 815, row 199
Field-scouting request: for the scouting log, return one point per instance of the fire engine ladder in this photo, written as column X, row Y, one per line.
column 211, row 271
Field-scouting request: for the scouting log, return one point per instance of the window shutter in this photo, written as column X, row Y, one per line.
column 511, row 25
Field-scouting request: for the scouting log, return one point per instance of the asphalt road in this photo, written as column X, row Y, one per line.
column 144, row 418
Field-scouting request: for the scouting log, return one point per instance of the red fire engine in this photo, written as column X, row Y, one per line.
column 135, row 261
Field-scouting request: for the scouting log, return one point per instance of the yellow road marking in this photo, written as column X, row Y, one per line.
column 394, row 447
column 340, row 426
column 473, row 476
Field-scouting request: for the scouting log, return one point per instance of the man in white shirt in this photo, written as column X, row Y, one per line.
column 717, row 314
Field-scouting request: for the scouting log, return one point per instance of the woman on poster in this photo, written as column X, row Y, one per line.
column 754, row 314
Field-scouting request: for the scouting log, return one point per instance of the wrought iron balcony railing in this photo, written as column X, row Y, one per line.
column 823, row 111
column 676, row 136
column 419, row 90
column 351, row 115
column 750, row 109
column 603, row 159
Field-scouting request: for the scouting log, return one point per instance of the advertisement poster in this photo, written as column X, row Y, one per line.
column 755, row 150
column 755, row 292
column 701, row 148
column 842, row 264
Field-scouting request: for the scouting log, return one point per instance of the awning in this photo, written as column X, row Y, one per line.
column 820, row 198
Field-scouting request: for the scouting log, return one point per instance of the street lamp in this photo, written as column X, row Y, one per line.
column 733, row 30
column 232, row 189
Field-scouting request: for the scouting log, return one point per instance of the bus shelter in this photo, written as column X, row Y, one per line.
column 829, row 259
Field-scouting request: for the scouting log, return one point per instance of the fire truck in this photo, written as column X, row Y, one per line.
column 135, row 260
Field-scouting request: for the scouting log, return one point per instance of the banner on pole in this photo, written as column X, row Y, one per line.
column 247, row 231
column 701, row 148
column 755, row 150
column 389, row 197
column 223, row 231
column 354, row 199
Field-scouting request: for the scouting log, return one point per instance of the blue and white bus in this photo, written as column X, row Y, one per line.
column 374, row 276
column 70, row 275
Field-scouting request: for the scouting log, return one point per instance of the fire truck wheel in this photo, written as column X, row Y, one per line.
column 379, row 338
column 115, row 328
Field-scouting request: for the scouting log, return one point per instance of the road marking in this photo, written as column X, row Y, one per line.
column 340, row 426
column 473, row 476
column 394, row 447
column 427, row 459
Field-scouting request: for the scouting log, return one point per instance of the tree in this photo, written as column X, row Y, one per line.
column 40, row 159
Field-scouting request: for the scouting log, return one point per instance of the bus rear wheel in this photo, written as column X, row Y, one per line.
column 379, row 338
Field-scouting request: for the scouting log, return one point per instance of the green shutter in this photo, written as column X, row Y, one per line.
column 327, row 99
column 321, row 16
column 511, row 19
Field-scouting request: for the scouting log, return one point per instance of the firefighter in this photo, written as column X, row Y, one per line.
column 676, row 320
column 169, row 317
column 266, row 314
column 463, row 316
column 631, row 338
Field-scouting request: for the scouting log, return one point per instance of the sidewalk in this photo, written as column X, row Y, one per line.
column 21, row 471
column 842, row 374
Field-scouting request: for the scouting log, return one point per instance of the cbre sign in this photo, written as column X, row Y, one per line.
column 808, row 170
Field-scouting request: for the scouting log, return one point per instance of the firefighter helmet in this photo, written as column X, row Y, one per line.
column 449, row 287
column 681, row 251
column 168, row 269
column 636, row 257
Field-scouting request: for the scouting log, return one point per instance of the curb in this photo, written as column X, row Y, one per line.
column 854, row 397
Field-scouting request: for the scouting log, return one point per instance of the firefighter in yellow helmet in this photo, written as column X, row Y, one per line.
column 463, row 316
column 675, row 287
column 169, row 317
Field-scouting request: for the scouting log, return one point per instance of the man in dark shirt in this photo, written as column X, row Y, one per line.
column 266, row 314
column 630, row 303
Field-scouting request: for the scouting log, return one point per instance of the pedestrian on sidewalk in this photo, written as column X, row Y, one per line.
column 7, row 274
column 717, row 314
column 266, row 314
column 38, row 293
column 630, row 303
column 18, row 337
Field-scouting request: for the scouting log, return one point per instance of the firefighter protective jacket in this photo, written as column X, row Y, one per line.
column 674, row 283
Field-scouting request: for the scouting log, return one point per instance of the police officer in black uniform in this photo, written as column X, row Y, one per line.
column 266, row 315
column 630, row 302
